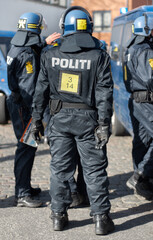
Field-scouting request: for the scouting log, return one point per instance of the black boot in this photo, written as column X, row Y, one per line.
column 141, row 185
column 144, row 188
column 28, row 201
column 151, row 183
column 35, row 191
column 103, row 224
column 76, row 199
column 132, row 181
column 60, row 220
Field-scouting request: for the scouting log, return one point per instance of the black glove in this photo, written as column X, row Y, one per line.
column 37, row 130
column 101, row 136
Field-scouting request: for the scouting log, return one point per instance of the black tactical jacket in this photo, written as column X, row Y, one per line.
column 77, row 75
column 23, row 65
column 138, row 65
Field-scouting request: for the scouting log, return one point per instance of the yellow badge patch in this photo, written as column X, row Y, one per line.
column 29, row 67
column 151, row 63
column 69, row 83
column 115, row 49
column 81, row 24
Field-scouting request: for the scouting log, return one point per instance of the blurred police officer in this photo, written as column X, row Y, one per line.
column 76, row 78
column 138, row 74
column 23, row 63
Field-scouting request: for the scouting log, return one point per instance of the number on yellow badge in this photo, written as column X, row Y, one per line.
column 70, row 82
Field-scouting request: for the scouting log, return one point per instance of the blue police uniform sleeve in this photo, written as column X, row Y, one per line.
column 144, row 68
column 41, row 96
column 27, row 74
column 104, row 90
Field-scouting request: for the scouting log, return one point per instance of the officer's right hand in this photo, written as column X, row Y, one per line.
column 37, row 129
column 51, row 38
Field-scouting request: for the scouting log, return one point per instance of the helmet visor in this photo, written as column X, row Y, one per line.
column 44, row 25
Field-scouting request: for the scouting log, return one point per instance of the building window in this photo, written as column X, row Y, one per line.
column 61, row 3
column 102, row 21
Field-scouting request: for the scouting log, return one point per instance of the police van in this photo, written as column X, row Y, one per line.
column 5, row 38
column 121, row 33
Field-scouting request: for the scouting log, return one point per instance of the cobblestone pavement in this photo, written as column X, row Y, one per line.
column 132, row 214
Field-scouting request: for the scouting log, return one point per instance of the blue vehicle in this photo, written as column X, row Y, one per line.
column 121, row 33
column 5, row 38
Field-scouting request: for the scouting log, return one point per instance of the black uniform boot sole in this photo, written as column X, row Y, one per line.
column 29, row 205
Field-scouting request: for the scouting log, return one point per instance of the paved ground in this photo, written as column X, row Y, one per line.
column 132, row 214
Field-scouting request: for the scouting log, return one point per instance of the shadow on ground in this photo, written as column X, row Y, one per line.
column 137, row 218
column 118, row 186
column 134, row 216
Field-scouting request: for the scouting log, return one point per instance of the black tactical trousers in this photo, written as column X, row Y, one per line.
column 70, row 128
column 142, row 151
column 24, row 155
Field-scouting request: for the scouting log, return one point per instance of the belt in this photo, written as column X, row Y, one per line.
column 76, row 105
column 56, row 105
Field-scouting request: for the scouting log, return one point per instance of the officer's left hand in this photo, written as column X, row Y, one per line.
column 101, row 136
column 51, row 38
column 37, row 128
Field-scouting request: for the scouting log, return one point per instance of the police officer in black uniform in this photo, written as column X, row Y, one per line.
column 138, row 76
column 77, row 183
column 76, row 79
column 23, row 63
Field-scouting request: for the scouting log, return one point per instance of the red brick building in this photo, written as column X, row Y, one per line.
column 136, row 3
column 104, row 11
